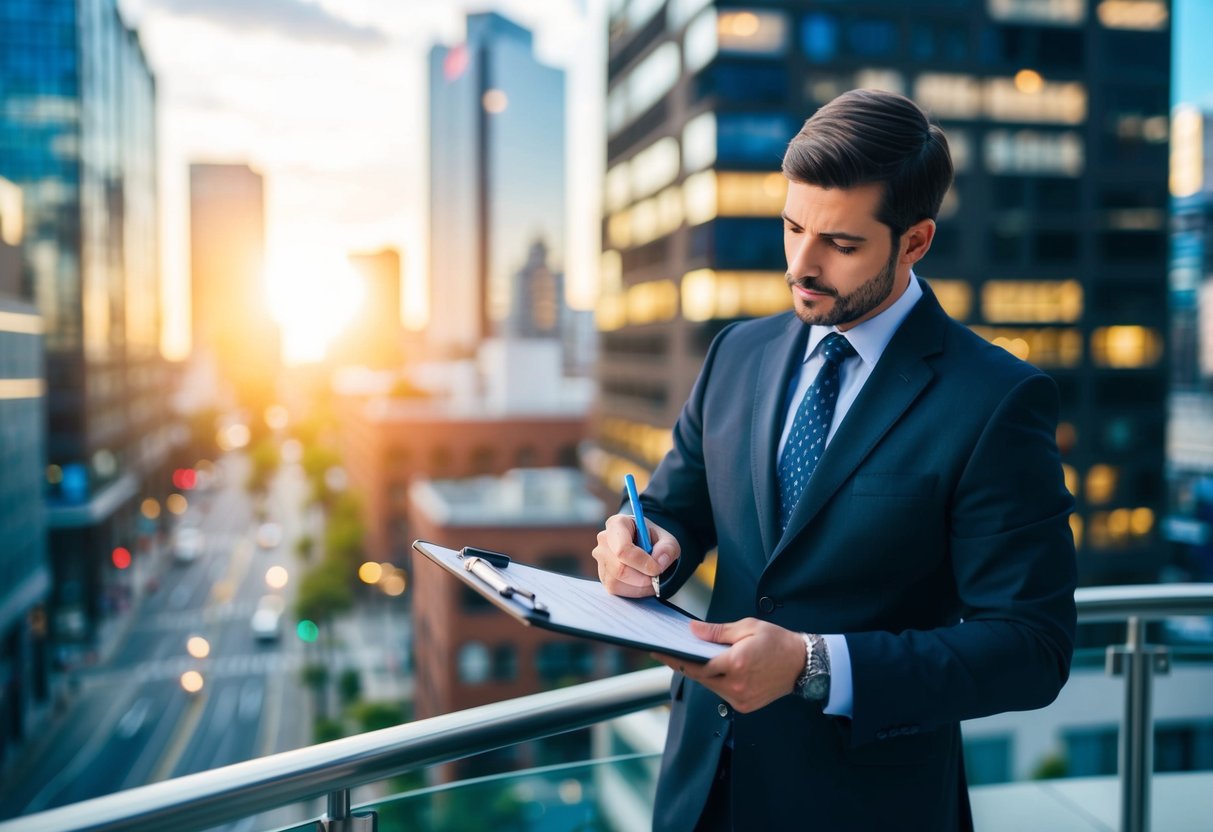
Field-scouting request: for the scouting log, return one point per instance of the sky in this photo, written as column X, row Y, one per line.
column 327, row 99
column 1191, row 57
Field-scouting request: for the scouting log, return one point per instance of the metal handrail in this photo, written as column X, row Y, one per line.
column 210, row 798
column 200, row 801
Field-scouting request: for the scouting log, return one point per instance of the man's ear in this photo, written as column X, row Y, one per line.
column 916, row 242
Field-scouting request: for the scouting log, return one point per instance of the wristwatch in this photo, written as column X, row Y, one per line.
column 814, row 681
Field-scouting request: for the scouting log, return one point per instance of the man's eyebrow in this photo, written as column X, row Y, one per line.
column 830, row 235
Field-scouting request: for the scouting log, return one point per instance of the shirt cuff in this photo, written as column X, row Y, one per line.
column 841, row 701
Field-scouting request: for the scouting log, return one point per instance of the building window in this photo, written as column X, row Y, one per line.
column 753, row 138
column 1034, row 152
column 505, row 663
column 699, row 142
column 475, row 663
column 872, row 37
column 1090, row 752
column 819, row 37
column 752, row 32
column 483, row 458
column 1031, row 301
column 561, row 662
column 987, row 760
column 1126, row 347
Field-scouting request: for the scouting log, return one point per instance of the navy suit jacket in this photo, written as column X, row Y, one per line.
column 934, row 534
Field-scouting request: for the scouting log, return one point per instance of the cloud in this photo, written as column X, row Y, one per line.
column 292, row 19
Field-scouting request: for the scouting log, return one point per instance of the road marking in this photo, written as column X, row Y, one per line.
column 181, row 738
column 271, row 722
column 78, row 763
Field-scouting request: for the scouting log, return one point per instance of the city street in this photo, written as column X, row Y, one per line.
column 131, row 721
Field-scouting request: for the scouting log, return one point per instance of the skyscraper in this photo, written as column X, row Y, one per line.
column 24, row 570
column 230, row 316
column 1052, row 242
column 373, row 336
column 496, row 175
column 77, row 134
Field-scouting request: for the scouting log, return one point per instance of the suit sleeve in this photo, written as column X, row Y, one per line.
column 677, row 497
column 1012, row 559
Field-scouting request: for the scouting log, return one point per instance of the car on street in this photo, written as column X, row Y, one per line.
column 188, row 543
column 269, row 535
column 266, row 623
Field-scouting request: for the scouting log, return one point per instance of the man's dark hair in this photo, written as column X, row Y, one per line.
column 867, row 136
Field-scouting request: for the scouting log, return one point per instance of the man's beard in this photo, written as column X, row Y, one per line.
column 846, row 308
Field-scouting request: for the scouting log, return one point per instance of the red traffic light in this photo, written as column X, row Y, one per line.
column 121, row 557
column 185, row 478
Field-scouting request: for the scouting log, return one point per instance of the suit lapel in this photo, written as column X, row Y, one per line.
column 897, row 380
column 780, row 359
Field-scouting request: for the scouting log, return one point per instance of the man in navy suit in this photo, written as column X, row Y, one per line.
column 884, row 493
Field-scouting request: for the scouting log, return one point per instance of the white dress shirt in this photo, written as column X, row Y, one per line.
column 869, row 340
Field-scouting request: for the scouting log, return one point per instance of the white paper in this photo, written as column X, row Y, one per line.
column 586, row 605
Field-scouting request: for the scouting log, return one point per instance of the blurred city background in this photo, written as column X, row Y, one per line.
column 285, row 285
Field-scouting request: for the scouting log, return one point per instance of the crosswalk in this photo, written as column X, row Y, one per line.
column 181, row 619
column 244, row 664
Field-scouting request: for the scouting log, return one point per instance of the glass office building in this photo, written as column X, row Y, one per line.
column 1052, row 243
column 77, row 134
column 496, row 176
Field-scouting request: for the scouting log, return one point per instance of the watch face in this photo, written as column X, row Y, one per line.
column 818, row 687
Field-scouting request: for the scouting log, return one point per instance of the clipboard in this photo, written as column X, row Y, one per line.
column 573, row 606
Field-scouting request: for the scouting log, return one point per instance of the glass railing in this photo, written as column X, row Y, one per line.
column 1116, row 738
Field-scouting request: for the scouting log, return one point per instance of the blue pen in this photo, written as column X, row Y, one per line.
column 642, row 528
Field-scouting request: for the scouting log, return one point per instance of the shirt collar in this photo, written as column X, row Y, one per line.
column 872, row 336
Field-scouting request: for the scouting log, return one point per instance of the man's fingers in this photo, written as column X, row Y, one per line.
column 727, row 632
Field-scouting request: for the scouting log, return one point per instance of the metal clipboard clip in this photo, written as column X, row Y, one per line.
column 484, row 568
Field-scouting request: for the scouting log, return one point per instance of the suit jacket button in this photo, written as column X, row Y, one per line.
column 722, row 709
column 766, row 604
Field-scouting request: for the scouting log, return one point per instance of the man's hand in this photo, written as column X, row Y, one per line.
column 761, row 666
column 623, row 567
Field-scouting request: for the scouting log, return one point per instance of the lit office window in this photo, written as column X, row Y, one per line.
column 1046, row 348
column 1120, row 527
column 643, row 86
column 1038, row 11
column 617, row 187
column 1187, row 151
column 823, row 87
column 949, row 95
column 960, row 145
column 1126, row 347
column 1031, row 301
column 889, row 80
column 752, row 32
column 619, row 230
column 750, row 194
column 655, row 217
column 699, row 197
column 652, row 78
column 654, row 167
column 709, row 294
column 611, row 312
column 680, row 11
column 610, row 272
column 1054, row 102
column 699, row 142
column 1101, row 483
column 1144, row 15
column 655, row 300
column 1034, row 152
column 955, row 296
column 699, row 44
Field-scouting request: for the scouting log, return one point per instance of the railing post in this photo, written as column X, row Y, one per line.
column 1138, row 662
column 339, row 818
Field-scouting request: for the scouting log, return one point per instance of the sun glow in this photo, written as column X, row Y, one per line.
column 313, row 296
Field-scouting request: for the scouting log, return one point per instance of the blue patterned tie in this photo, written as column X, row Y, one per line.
column 807, row 439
